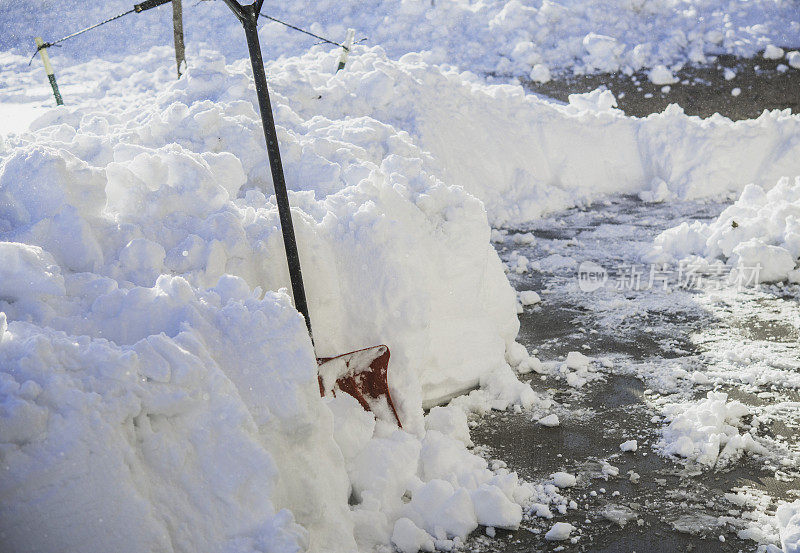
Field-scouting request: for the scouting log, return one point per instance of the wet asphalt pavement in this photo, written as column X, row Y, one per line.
column 701, row 89
column 674, row 506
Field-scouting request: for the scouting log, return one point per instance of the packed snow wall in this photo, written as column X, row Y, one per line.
column 158, row 391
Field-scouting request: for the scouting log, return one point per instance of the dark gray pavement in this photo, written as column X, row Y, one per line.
column 674, row 506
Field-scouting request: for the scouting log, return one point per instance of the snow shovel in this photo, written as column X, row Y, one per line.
column 361, row 373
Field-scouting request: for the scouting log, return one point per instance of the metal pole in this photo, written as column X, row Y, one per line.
column 249, row 17
column 177, row 33
column 48, row 68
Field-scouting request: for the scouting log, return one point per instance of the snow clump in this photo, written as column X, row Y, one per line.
column 550, row 420
column 560, row 531
column 772, row 52
column 529, row 297
column 759, row 234
column 660, row 75
column 707, row 431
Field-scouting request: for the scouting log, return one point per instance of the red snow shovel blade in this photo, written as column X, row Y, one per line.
column 363, row 375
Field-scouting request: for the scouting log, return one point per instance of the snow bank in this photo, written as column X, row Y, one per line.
column 707, row 431
column 156, row 395
column 500, row 36
column 760, row 232
column 187, row 435
column 374, row 217
column 532, row 156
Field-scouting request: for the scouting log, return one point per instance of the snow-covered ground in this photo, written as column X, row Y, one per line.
column 158, row 391
column 499, row 36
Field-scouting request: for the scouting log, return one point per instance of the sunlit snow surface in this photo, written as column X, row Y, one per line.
column 16, row 118
column 482, row 35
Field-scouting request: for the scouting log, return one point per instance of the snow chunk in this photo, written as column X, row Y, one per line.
column 524, row 238
column 563, row 479
column 769, row 263
column 619, row 514
column 407, row 537
column 603, row 51
column 529, row 297
column 494, row 508
column 576, row 360
column 560, row 531
column 441, row 510
column 540, row 73
column 516, row 353
column 531, row 364
column 609, row 470
column 773, row 52
column 707, row 431
column 630, row 445
column 597, row 100
column 660, row 75
column 450, row 421
column 28, row 273
column 550, row 420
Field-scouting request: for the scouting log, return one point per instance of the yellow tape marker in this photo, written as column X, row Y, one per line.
column 48, row 68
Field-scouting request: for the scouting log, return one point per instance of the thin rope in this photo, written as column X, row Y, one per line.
column 146, row 5
column 323, row 39
column 359, row 41
column 73, row 35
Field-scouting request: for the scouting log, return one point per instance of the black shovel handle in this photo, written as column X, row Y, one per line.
column 248, row 15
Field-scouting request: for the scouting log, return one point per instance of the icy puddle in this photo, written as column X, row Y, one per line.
column 704, row 377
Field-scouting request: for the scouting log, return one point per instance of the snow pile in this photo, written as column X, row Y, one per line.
column 499, row 36
column 531, row 156
column 707, row 431
column 421, row 492
column 577, row 370
column 153, row 396
column 788, row 517
column 760, row 232
column 187, row 427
